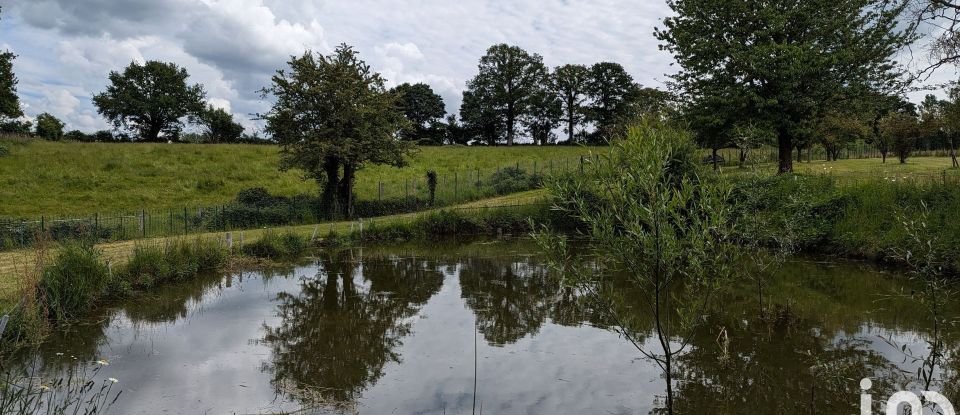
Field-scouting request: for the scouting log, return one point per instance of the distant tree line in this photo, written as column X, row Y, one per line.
column 515, row 96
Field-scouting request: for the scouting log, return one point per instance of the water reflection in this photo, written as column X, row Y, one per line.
column 341, row 327
column 392, row 331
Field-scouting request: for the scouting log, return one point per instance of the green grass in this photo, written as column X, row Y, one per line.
column 56, row 178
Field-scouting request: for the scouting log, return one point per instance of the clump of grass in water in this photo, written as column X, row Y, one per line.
column 173, row 261
column 74, row 282
column 273, row 245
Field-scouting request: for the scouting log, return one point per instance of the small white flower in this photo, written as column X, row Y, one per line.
column 103, row 362
column 59, row 354
column 113, row 380
column 44, row 387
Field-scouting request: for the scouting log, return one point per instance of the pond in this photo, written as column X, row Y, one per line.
column 482, row 328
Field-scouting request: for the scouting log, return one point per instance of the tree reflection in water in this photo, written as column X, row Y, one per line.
column 344, row 325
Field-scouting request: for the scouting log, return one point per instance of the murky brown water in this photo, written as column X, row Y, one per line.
column 453, row 329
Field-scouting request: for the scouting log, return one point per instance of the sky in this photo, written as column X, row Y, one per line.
column 67, row 48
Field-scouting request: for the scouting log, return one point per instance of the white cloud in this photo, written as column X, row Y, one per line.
column 234, row 46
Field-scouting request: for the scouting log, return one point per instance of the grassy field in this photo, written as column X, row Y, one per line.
column 51, row 178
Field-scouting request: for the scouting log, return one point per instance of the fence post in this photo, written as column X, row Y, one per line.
column 143, row 223
column 123, row 230
column 42, row 224
column 456, row 183
column 185, row 224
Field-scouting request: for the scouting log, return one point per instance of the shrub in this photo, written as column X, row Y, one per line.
column 787, row 209
column 512, row 180
column 4, row 151
column 74, row 282
column 274, row 245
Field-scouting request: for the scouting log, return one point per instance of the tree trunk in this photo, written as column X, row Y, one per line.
column 346, row 190
column 883, row 155
column 799, row 154
column 510, row 122
column 715, row 165
column 953, row 153
column 570, row 121
column 784, row 153
column 328, row 199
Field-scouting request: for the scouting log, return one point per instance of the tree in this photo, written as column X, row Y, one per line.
column 150, row 99
column 544, row 114
column 9, row 102
column 611, row 91
column 454, row 132
column 479, row 117
column 507, row 79
column 951, row 122
column 662, row 224
column 219, row 126
column 49, row 127
column 422, row 107
column 570, row 83
column 901, row 131
column 784, row 60
column 332, row 116
column 837, row 130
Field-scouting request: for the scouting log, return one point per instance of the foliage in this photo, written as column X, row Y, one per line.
column 836, row 131
column 570, row 83
column 432, row 185
column 657, row 218
column 770, row 67
column 504, row 87
column 9, row 102
column 276, row 245
column 544, row 114
column 902, row 132
column 611, row 90
column 512, row 179
column 19, row 127
column 49, row 127
column 801, row 210
column 74, row 281
column 422, row 107
column 219, row 126
column 331, row 117
column 150, row 99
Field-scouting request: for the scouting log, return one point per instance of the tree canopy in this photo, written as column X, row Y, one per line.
column 49, row 127
column 782, row 61
column 331, row 116
column 611, row 90
column 507, row 79
column 150, row 99
column 570, row 83
column 422, row 107
column 219, row 126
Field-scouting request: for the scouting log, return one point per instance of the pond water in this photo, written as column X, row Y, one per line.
column 482, row 328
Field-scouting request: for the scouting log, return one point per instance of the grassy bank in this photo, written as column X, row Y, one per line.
column 868, row 219
column 53, row 178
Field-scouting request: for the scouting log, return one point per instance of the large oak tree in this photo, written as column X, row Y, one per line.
column 507, row 80
column 784, row 60
column 150, row 99
column 332, row 116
